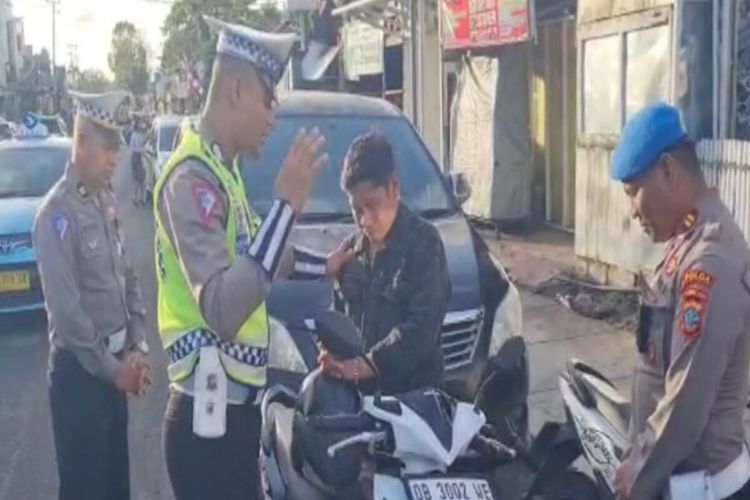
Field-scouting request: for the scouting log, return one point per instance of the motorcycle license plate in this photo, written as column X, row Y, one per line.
column 449, row 488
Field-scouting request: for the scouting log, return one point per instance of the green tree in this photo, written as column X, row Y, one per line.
column 187, row 38
column 128, row 58
column 92, row 80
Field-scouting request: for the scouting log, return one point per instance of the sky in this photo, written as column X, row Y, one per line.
column 88, row 24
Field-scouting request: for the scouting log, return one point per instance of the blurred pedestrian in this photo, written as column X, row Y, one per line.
column 137, row 147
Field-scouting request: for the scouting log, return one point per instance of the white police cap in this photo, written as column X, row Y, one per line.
column 109, row 110
column 268, row 52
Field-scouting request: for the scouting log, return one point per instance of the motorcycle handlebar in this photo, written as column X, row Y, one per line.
column 368, row 437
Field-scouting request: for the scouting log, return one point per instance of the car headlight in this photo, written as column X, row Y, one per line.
column 508, row 315
column 283, row 353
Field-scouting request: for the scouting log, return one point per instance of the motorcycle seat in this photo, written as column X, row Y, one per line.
column 297, row 486
column 603, row 394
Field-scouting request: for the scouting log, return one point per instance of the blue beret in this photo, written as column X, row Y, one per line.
column 649, row 133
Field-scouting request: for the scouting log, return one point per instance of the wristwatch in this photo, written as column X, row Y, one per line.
column 142, row 346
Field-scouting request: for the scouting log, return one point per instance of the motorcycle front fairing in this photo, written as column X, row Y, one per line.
column 429, row 429
column 592, row 405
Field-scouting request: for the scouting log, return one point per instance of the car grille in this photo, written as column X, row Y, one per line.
column 10, row 300
column 11, row 243
column 461, row 331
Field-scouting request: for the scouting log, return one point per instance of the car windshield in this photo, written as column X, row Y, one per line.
column 31, row 171
column 422, row 187
column 166, row 137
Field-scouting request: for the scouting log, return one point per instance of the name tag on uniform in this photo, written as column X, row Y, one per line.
column 210, row 399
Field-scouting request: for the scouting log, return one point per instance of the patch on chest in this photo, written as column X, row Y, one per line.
column 671, row 266
column 60, row 225
column 111, row 212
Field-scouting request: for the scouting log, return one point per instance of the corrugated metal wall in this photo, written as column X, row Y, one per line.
column 726, row 164
column 605, row 233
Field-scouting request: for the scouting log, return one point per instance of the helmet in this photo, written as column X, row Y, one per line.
column 321, row 395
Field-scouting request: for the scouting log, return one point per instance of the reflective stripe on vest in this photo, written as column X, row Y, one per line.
column 182, row 328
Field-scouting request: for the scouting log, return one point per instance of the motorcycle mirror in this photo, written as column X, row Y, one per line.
column 338, row 334
column 340, row 337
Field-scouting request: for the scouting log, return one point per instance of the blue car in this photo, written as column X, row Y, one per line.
column 29, row 167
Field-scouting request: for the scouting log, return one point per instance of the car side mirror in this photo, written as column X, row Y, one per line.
column 460, row 187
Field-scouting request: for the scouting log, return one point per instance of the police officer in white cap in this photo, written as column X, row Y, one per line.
column 216, row 263
column 95, row 309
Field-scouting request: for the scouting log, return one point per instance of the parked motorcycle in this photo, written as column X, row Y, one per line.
column 596, row 428
column 331, row 442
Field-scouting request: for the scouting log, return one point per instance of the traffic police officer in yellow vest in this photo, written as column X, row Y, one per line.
column 216, row 261
column 691, row 383
column 94, row 307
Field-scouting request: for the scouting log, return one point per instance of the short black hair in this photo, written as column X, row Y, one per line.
column 370, row 158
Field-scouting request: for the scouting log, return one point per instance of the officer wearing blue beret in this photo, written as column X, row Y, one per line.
column 691, row 384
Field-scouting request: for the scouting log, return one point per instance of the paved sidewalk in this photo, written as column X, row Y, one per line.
column 554, row 335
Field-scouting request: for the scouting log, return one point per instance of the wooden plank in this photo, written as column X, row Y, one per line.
column 567, row 201
column 547, row 159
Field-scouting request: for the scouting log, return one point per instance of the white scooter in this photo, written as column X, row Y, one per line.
column 596, row 428
column 598, row 418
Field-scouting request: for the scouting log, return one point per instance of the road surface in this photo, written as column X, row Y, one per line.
column 27, row 455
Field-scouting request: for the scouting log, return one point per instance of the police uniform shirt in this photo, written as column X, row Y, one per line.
column 227, row 291
column 691, row 384
column 90, row 287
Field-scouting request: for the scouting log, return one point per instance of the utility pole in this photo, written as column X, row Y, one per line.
column 416, row 14
column 55, row 99
column 414, row 41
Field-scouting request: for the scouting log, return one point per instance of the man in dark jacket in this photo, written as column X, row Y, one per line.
column 397, row 288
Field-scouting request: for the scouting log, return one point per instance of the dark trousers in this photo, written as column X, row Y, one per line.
column 90, row 425
column 743, row 494
column 207, row 469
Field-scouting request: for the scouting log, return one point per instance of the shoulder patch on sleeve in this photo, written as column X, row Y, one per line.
column 691, row 318
column 206, row 200
column 60, row 225
column 697, row 278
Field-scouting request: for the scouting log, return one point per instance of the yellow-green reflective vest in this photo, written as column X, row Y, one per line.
column 182, row 328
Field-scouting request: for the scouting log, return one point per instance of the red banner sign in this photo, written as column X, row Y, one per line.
column 481, row 23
